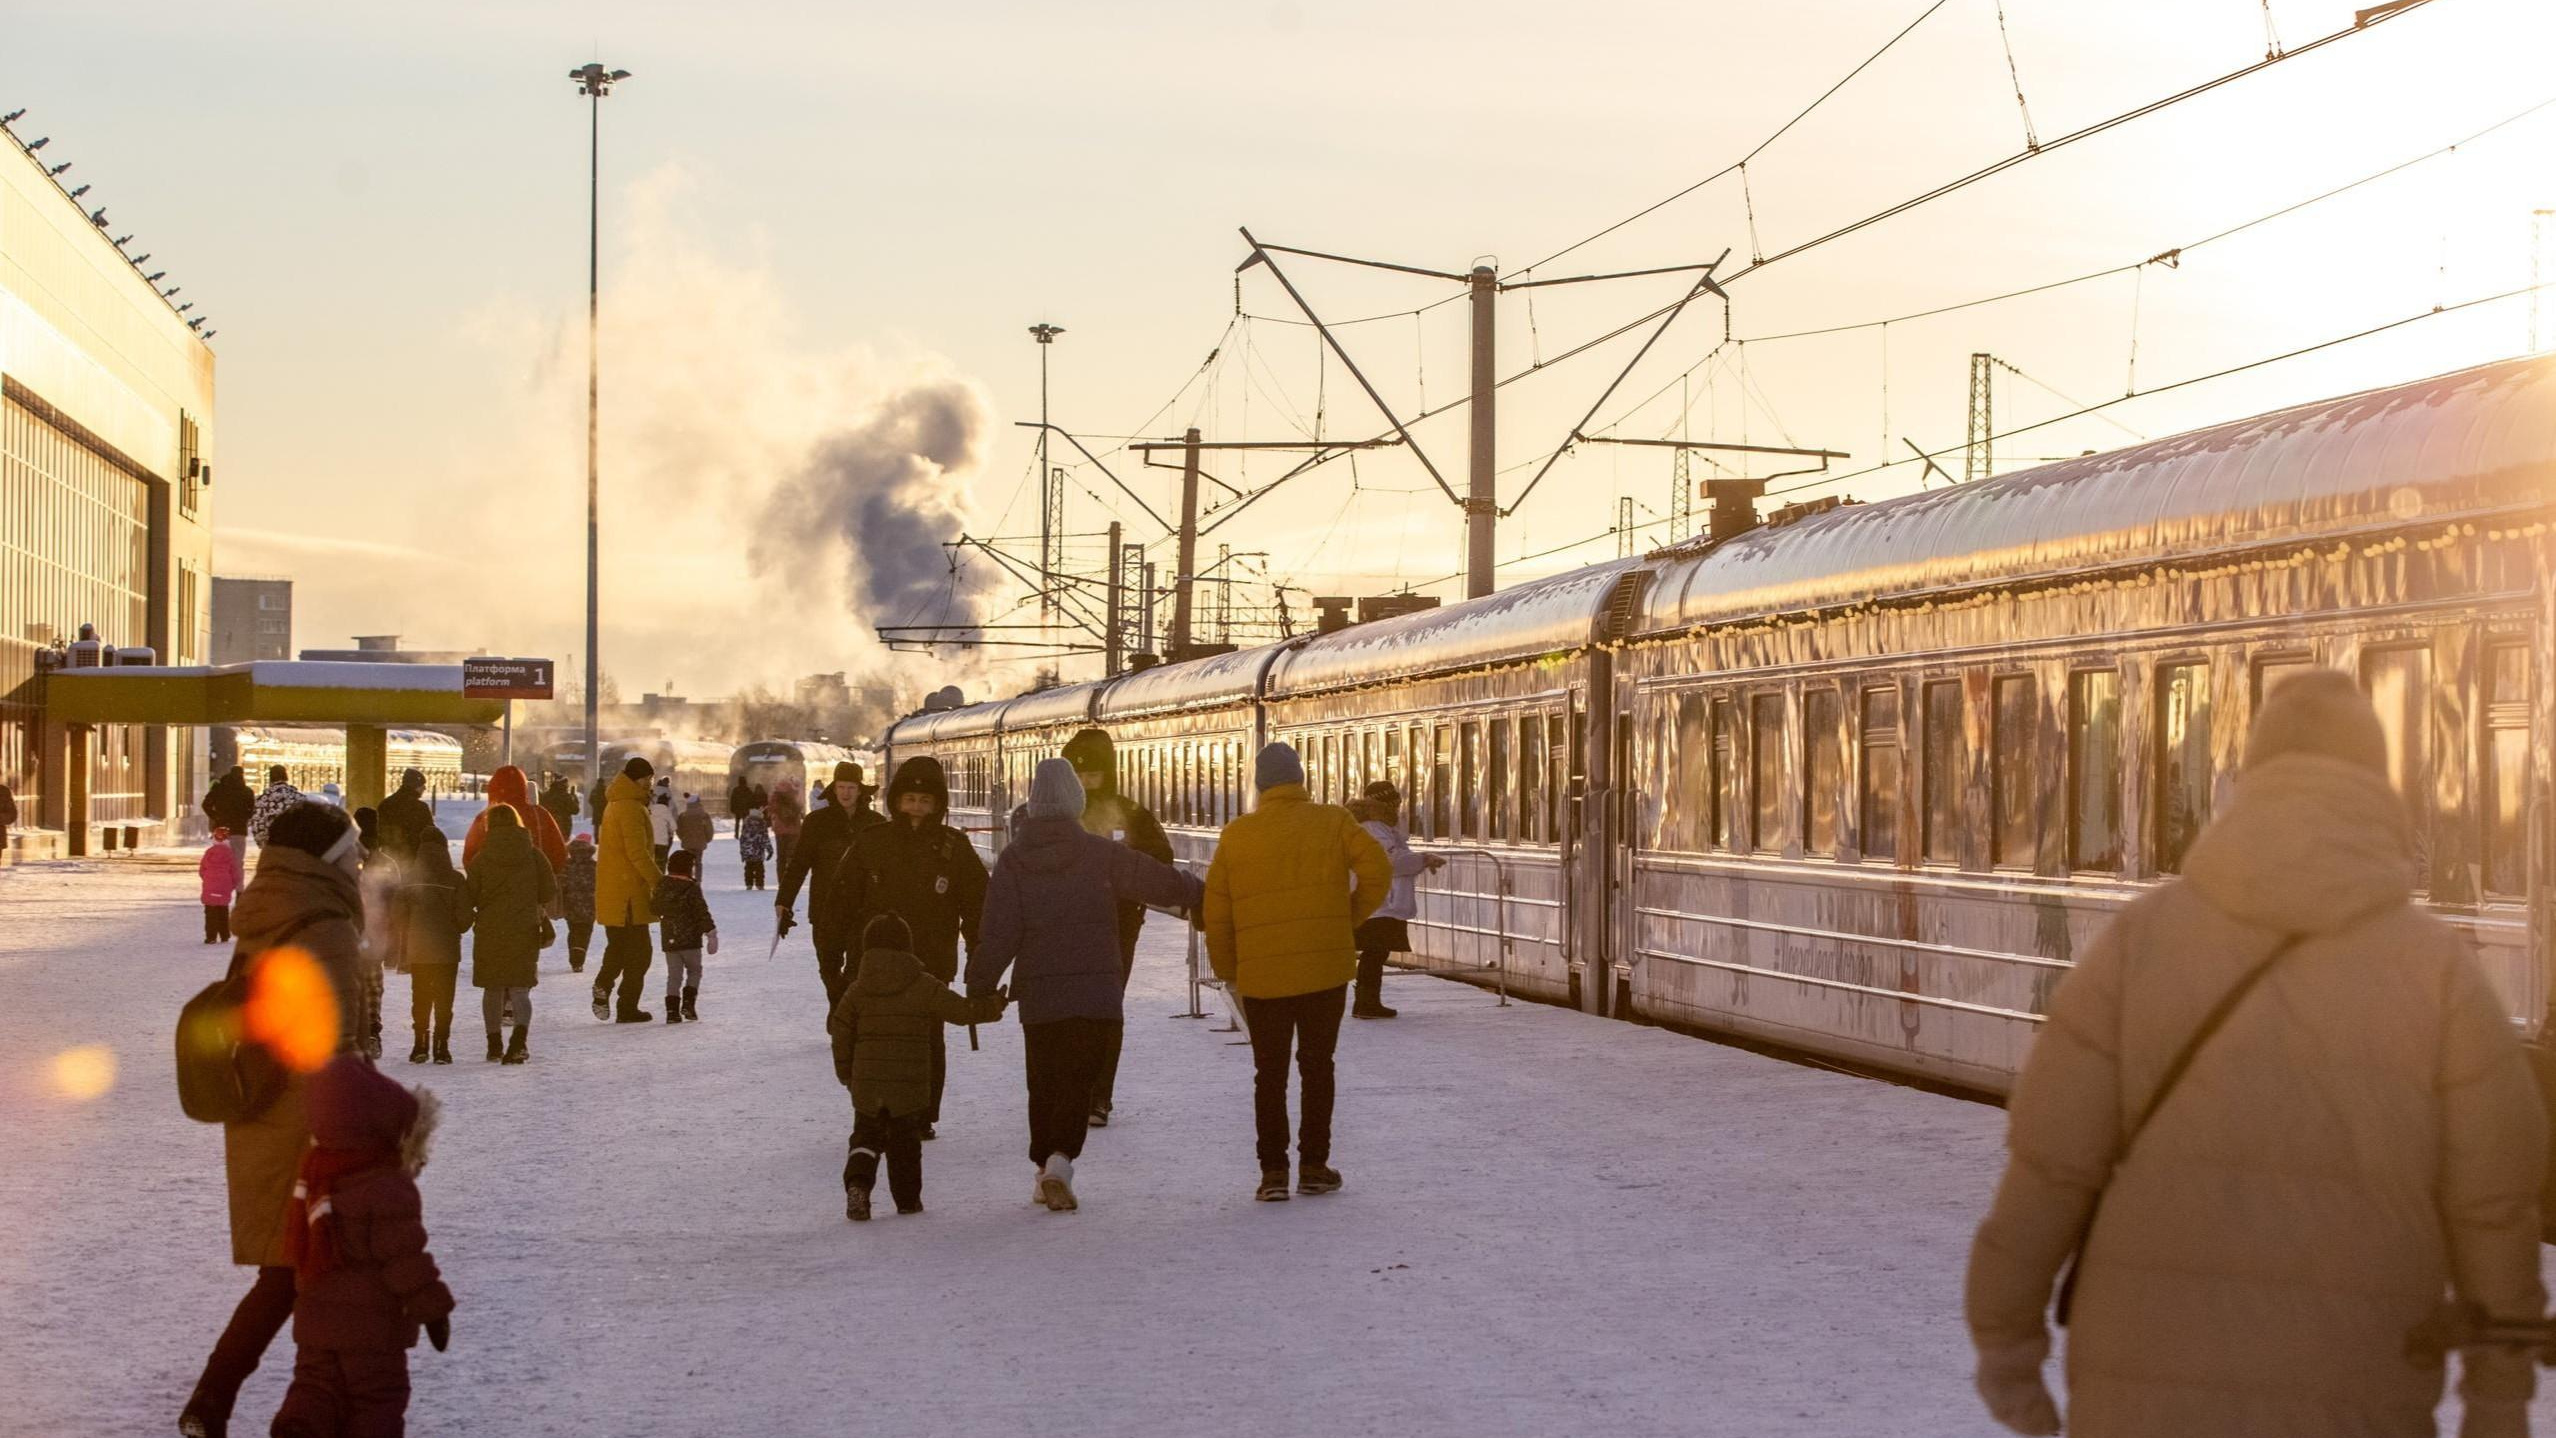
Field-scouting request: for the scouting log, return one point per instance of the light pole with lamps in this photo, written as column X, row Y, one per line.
column 595, row 81
column 1051, row 486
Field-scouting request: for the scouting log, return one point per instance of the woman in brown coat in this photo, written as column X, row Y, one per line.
column 304, row 894
column 2358, row 1140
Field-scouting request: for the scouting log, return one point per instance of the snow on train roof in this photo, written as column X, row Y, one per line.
column 1539, row 617
column 1060, row 704
column 2478, row 439
column 1216, row 679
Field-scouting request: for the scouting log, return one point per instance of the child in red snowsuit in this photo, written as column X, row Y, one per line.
column 363, row 1281
column 220, row 871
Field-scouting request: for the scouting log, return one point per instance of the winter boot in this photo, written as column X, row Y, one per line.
column 1273, row 1186
column 496, row 1046
column 418, row 1053
column 635, row 1016
column 927, row 1133
column 910, row 1209
column 444, row 1047
column 691, row 1012
column 517, row 1050
column 576, row 961
column 1373, row 1009
column 856, row 1204
column 603, row 1002
column 1317, row 1178
column 202, row 1420
column 1056, row 1184
column 1099, row 1118
column 674, row 1007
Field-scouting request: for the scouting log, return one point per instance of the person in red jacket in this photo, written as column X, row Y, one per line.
column 364, row 1284
column 509, row 786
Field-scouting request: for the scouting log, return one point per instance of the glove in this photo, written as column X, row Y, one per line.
column 2010, row 1383
column 2497, row 1418
column 710, row 941
column 439, row 1331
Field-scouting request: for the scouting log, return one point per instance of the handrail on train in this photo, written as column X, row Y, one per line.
column 1500, row 879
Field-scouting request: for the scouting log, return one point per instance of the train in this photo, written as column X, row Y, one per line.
column 689, row 766
column 1858, row 781
column 775, row 764
column 314, row 755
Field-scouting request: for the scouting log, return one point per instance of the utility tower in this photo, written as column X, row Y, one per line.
column 1224, row 594
column 1623, row 525
column 1977, row 460
column 1129, row 625
column 1681, row 511
column 1051, row 486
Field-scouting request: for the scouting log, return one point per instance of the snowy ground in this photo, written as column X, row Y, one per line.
column 1552, row 1223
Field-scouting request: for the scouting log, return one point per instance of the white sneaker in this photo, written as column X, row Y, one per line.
column 1056, row 1184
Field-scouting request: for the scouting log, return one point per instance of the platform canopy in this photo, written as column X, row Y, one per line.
column 266, row 692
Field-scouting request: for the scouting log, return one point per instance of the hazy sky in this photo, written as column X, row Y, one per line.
column 828, row 227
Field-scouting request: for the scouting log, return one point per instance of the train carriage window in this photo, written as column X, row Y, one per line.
column 1441, row 790
column 2399, row 682
column 1727, row 798
column 2184, row 774
column 1823, row 772
column 1233, row 778
column 1769, row 751
column 1393, row 762
column 1691, row 771
column 2014, row 820
column 1331, row 769
column 1941, row 776
column 1531, row 778
column 2506, row 769
column 1469, row 779
column 2269, row 674
column 2094, row 770
column 1496, row 790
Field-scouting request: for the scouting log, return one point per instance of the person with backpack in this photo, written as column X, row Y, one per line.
column 405, row 814
column 886, row 1028
column 303, row 896
column 363, row 1281
column 560, row 801
column 429, row 913
column 661, row 826
column 507, row 893
column 2276, row 1116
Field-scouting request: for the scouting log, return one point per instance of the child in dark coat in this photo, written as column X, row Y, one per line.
column 754, row 845
column 884, row 1027
column 577, row 896
column 364, row 1283
column 684, row 929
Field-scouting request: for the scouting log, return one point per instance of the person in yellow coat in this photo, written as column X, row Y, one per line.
column 626, row 874
column 1290, row 884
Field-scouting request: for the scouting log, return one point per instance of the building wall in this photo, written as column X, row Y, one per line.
column 252, row 620
column 106, row 422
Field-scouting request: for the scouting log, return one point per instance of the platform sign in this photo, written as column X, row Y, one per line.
column 506, row 678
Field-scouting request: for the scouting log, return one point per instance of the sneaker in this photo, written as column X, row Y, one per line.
column 1099, row 1118
column 1374, row 1011
column 1273, row 1186
column 1317, row 1178
column 1038, row 1186
column 1056, row 1184
column 603, row 1004
column 856, row 1204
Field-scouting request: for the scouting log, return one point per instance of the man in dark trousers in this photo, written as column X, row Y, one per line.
column 404, row 814
column 561, row 801
column 1113, row 815
column 918, row 868
column 816, row 860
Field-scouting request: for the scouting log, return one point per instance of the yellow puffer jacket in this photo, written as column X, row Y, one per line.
column 625, row 857
column 1280, row 909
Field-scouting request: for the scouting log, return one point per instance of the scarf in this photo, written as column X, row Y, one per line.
column 310, row 1240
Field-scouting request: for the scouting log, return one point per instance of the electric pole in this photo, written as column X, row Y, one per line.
column 1184, row 577
column 595, row 82
column 1112, row 655
column 1977, row 458
column 1051, row 485
column 1481, row 500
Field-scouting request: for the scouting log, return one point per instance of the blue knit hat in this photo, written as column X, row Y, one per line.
column 1278, row 764
column 1056, row 791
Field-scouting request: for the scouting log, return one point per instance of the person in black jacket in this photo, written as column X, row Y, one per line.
column 1113, row 815
column 404, row 815
column 816, row 860
column 918, row 868
column 229, row 804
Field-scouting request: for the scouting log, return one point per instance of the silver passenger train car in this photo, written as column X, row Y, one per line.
column 1860, row 781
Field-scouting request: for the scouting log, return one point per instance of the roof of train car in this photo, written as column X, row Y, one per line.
column 807, row 748
column 1059, row 704
column 1216, row 679
column 334, row 735
column 1541, row 616
column 2477, row 439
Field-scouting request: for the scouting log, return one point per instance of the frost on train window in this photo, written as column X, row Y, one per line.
column 1495, row 773
column 1823, row 771
column 2399, row 682
column 1531, row 779
column 1469, row 779
column 1769, row 749
column 1727, row 801
column 1393, row 764
column 1691, row 808
column 2506, row 769
column 1879, row 802
column 2184, row 772
column 2094, row 770
column 1942, row 775
column 1441, row 762
column 2015, row 790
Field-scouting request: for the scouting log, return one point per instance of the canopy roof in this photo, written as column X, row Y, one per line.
column 269, row 691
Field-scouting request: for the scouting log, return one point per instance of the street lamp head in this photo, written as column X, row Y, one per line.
column 593, row 79
column 1046, row 333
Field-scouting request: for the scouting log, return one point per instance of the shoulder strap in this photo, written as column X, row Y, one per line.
column 241, row 953
column 2209, row 1026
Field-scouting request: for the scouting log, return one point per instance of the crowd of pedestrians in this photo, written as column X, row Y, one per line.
column 2275, row 1118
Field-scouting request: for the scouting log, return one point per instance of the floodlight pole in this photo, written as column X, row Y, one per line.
column 595, row 82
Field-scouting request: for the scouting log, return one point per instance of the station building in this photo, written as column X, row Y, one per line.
column 106, row 445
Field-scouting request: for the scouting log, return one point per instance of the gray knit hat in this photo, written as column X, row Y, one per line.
column 1056, row 791
column 2319, row 712
column 1278, row 763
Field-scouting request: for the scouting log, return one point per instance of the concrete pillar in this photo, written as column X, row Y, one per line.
column 367, row 765
column 75, row 789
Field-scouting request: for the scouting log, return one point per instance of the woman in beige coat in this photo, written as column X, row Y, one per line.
column 304, row 894
column 2359, row 1141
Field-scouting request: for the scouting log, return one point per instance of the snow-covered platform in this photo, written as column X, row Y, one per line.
column 1552, row 1223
